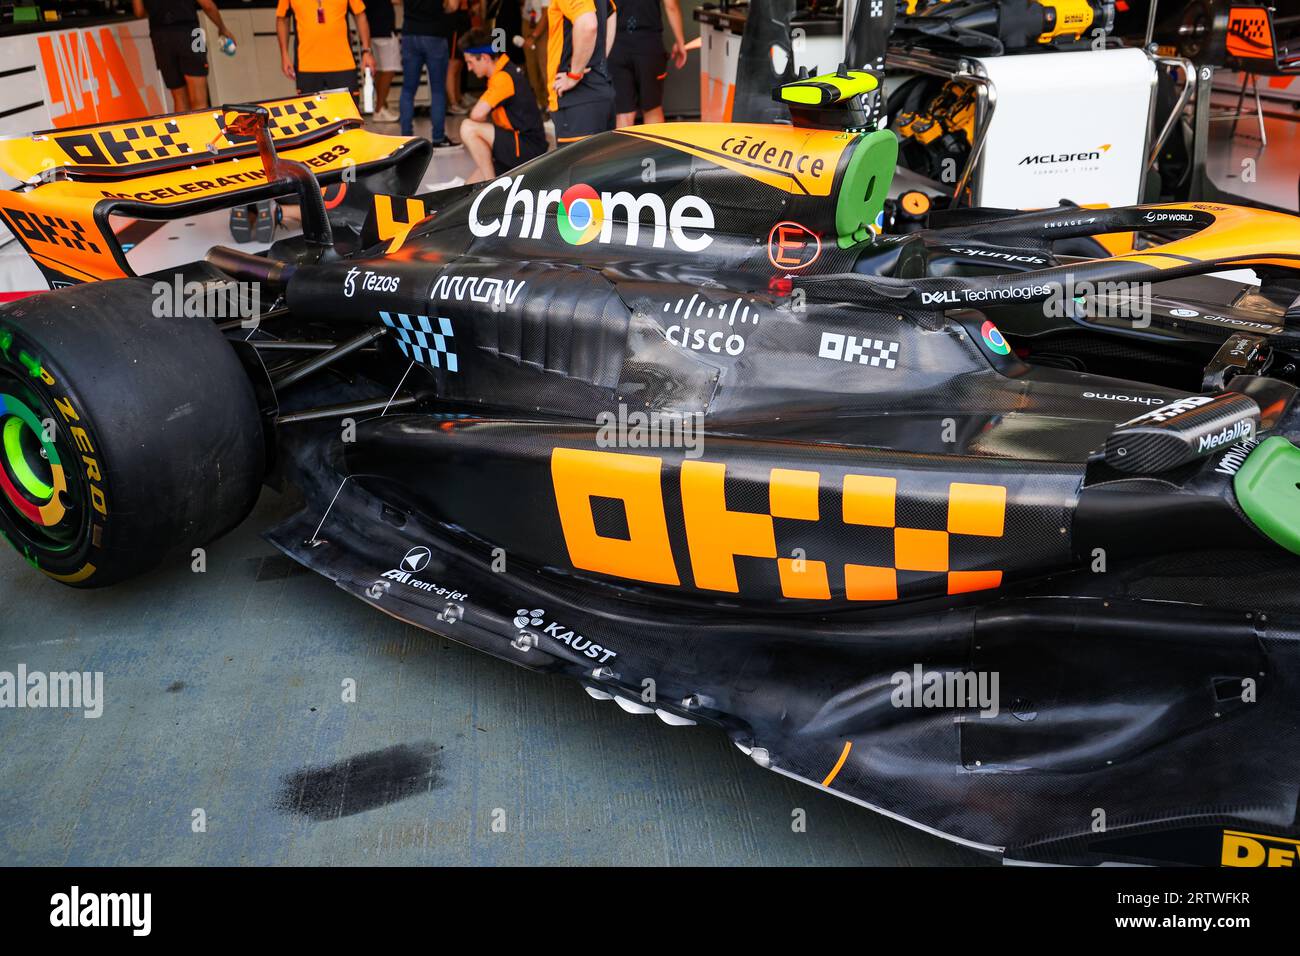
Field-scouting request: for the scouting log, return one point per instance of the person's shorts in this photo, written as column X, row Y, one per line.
column 387, row 52
column 510, row 148
column 591, row 112
column 173, row 51
column 333, row 80
column 638, row 66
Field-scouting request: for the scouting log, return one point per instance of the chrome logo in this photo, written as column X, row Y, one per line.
column 994, row 340
column 581, row 214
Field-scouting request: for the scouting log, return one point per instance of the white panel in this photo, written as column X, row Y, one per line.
column 1067, row 126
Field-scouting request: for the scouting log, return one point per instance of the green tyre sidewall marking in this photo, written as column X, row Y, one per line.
column 18, row 361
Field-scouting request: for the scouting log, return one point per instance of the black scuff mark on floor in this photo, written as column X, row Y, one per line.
column 362, row 782
column 176, row 686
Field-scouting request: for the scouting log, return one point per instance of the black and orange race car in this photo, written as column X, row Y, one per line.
column 964, row 525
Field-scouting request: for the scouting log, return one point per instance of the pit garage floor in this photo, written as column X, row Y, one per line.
column 223, row 693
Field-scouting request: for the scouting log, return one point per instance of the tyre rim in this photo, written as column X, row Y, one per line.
column 34, row 488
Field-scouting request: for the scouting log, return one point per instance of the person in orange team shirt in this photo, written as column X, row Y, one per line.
column 580, row 35
column 505, row 127
column 322, row 57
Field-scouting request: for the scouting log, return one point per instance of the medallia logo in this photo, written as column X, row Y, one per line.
column 583, row 215
column 993, row 339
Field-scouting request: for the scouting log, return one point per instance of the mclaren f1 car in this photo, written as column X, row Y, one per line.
column 976, row 525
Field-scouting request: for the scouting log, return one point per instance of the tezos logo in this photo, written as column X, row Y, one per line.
column 370, row 281
column 583, row 215
column 993, row 339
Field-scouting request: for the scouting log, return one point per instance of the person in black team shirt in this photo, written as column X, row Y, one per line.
column 180, row 47
column 504, row 128
column 637, row 62
column 426, row 33
column 582, row 97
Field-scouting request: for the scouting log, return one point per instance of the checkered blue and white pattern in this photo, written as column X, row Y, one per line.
column 418, row 340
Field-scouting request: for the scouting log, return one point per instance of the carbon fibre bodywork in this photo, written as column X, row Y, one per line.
column 882, row 491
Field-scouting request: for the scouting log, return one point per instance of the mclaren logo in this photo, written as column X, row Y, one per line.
column 416, row 560
column 413, row 563
column 583, row 215
column 1056, row 159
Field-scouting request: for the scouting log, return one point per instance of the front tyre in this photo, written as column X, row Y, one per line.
column 126, row 437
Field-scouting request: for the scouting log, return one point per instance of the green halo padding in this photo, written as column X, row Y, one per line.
column 864, row 185
column 1268, row 490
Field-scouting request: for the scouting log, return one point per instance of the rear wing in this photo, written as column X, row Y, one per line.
column 158, row 144
column 173, row 167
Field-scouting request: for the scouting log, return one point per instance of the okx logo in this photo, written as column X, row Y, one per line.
column 583, row 215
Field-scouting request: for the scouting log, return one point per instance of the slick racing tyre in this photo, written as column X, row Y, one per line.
column 125, row 437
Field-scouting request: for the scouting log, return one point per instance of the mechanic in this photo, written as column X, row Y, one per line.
column 577, row 51
column 173, row 30
column 505, row 127
column 427, row 29
column 388, row 54
column 637, row 62
column 322, row 57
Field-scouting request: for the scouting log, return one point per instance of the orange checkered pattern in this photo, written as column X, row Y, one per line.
column 972, row 509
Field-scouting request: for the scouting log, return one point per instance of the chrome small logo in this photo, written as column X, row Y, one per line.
column 580, row 215
column 994, row 340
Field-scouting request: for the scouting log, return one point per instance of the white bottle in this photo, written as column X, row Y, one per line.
column 368, row 92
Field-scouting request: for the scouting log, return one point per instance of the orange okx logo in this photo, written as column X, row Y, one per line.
column 716, row 535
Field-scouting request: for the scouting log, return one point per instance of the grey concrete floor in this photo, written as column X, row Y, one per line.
column 223, row 693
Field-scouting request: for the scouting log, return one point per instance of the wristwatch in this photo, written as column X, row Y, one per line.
column 365, row 49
